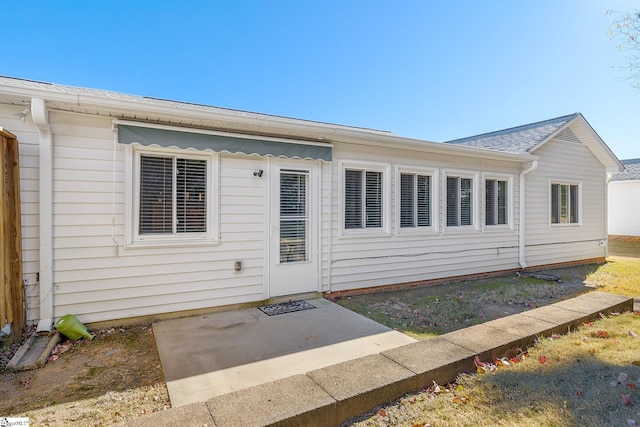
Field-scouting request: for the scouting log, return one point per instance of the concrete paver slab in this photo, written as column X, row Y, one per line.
column 486, row 342
column 206, row 356
column 361, row 384
column 523, row 326
column 435, row 359
column 564, row 319
column 593, row 302
column 292, row 401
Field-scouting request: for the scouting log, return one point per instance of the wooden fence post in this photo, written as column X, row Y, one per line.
column 12, row 298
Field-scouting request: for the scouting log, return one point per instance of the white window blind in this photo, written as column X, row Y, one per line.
column 353, row 199
column 363, row 199
column 415, row 200
column 173, row 195
column 294, row 216
column 459, row 201
column 373, row 199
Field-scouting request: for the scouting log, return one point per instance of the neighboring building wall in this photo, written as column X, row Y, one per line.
column 624, row 205
column 29, row 162
column 367, row 259
column 569, row 162
column 97, row 281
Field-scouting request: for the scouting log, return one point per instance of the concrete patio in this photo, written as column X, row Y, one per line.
column 373, row 367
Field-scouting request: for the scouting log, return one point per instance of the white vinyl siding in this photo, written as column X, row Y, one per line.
column 366, row 258
column 624, row 206
column 28, row 146
column 97, row 277
column 571, row 164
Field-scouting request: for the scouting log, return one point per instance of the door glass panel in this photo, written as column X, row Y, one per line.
column 294, row 216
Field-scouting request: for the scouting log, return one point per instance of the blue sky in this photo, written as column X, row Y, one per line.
column 432, row 70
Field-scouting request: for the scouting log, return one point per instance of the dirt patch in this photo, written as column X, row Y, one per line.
column 434, row 310
column 114, row 377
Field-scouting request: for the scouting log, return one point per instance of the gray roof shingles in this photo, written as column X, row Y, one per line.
column 632, row 173
column 519, row 140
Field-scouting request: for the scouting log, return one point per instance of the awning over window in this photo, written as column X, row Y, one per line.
column 233, row 144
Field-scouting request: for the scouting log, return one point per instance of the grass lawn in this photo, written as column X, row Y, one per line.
column 588, row 377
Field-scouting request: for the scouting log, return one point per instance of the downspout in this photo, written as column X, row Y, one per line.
column 40, row 117
column 521, row 223
column 605, row 240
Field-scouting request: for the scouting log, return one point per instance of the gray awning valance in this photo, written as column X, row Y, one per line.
column 233, row 144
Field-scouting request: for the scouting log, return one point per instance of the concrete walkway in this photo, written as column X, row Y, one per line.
column 330, row 395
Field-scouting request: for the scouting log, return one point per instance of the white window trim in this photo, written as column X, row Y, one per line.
column 435, row 199
column 510, row 199
column 132, row 189
column 385, row 168
column 561, row 181
column 475, row 200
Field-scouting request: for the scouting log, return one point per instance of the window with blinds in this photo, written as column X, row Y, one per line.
column 459, row 201
column 363, row 199
column 564, row 204
column 173, row 195
column 495, row 202
column 415, row 200
column 294, row 216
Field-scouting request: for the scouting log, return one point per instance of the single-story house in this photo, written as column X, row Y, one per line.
column 624, row 203
column 134, row 206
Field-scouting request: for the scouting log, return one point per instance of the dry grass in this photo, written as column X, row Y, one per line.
column 585, row 378
column 620, row 275
column 577, row 385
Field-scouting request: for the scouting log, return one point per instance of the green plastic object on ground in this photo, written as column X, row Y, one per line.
column 72, row 328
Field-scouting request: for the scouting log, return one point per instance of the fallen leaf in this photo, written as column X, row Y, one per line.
column 477, row 361
column 600, row 334
column 626, row 400
column 632, row 386
column 542, row 359
column 382, row 412
column 579, row 393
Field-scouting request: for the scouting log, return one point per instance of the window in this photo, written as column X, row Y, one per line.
column 459, row 201
column 415, row 200
column 363, row 199
column 172, row 196
column 496, row 203
column 564, row 203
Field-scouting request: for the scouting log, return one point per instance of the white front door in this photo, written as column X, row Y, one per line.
column 293, row 233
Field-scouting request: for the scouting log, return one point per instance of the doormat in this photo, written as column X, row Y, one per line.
column 285, row 307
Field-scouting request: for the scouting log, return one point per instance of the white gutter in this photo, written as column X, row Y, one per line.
column 40, row 117
column 521, row 234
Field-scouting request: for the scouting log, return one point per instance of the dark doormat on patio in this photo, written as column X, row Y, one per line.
column 285, row 307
